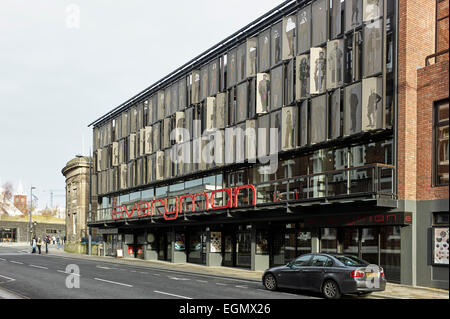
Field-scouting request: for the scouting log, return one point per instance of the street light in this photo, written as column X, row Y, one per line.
column 31, row 211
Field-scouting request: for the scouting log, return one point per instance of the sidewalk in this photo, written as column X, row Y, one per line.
column 393, row 291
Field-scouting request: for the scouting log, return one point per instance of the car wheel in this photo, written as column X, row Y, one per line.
column 330, row 290
column 270, row 282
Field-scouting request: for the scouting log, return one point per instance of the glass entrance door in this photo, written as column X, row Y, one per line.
column 369, row 245
column 243, row 248
column 165, row 246
column 228, row 252
column 197, row 247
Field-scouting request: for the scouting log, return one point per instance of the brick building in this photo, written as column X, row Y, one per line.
column 360, row 130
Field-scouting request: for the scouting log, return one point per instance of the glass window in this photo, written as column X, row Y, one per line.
column 336, row 18
column 252, row 56
column 318, row 71
column 304, row 29
column 204, row 83
column 373, row 48
column 264, row 51
column 351, row 261
column 304, row 113
column 372, row 103
column 275, row 122
column 319, row 22
column 390, row 252
column 263, row 88
column 353, row 14
column 335, row 63
column 302, row 260
column 328, row 240
column 214, row 77
column 289, row 89
column 262, row 245
column 241, row 61
column 321, row 261
column 440, row 218
column 182, row 94
column 334, row 122
column 441, row 147
column 241, row 114
column 289, row 35
column 231, row 68
column 372, row 10
column 276, row 90
column 303, row 80
column 319, row 119
column 195, row 87
column 303, row 242
column 276, row 43
column 289, row 127
column 352, row 109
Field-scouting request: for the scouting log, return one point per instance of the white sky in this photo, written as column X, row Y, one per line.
column 57, row 78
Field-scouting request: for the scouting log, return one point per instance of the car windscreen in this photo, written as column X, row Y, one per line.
column 351, row 261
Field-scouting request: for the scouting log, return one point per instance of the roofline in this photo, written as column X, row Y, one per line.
column 216, row 50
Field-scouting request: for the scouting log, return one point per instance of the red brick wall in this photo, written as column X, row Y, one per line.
column 416, row 42
column 433, row 85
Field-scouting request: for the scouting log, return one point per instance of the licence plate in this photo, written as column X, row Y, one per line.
column 371, row 274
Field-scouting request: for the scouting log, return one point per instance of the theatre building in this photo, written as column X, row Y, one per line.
column 303, row 132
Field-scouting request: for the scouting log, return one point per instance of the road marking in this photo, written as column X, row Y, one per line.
column 220, row 284
column 68, row 273
column 114, row 282
column 156, row 275
column 166, row 293
column 7, row 278
column 176, row 278
column 16, row 262
column 243, row 287
column 204, row 281
column 2, row 259
column 41, row 267
column 104, row 267
column 143, row 272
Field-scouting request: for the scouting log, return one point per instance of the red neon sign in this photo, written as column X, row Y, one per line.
column 143, row 209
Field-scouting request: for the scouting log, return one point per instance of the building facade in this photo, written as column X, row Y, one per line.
column 297, row 134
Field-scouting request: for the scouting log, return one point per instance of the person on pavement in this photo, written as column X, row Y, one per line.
column 33, row 245
column 39, row 244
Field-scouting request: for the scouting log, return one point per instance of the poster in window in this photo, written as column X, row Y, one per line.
column 141, row 141
column 167, row 164
column 204, row 83
column 150, row 112
column 275, row 122
column 210, row 113
column 231, row 68
column 148, row 149
column 263, row 135
column 115, row 154
column 195, row 87
column 220, row 110
column 304, row 123
column 353, row 14
column 289, row 127
column 251, row 106
column 214, row 77
column 174, row 98
column 441, row 237
column 276, row 43
column 157, row 136
column 161, row 98
column 335, row 63
column 252, row 56
column 352, row 109
column 241, row 61
column 264, row 51
column 319, row 119
column 182, row 94
column 250, row 139
column 167, row 101
column 303, row 80
column 123, row 176
column 372, row 49
column 372, row 10
column 263, row 93
column 289, row 37
column 122, row 151
column 319, row 22
column 318, row 71
column 132, row 147
column 241, row 114
column 166, row 133
column 276, row 88
column 179, row 120
column 159, row 165
column 304, row 29
column 216, row 242
column 335, row 114
column 372, row 103
column 290, row 88
column 336, row 19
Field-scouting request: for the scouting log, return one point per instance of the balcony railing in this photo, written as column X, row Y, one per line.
column 364, row 181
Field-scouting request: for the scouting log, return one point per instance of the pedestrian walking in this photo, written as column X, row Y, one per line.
column 33, row 245
column 46, row 240
column 39, row 244
column 58, row 242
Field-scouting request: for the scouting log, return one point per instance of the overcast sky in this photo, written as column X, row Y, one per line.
column 59, row 73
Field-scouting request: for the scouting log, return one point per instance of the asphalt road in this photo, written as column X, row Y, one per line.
column 34, row 276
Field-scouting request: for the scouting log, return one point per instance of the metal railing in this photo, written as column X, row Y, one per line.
column 363, row 181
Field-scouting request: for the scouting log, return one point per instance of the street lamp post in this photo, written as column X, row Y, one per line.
column 31, row 211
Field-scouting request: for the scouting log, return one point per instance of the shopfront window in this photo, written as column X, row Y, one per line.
column 441, row 146
column 369, row 245
column 390, row 252
column 262, row 245
column 328, row 240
